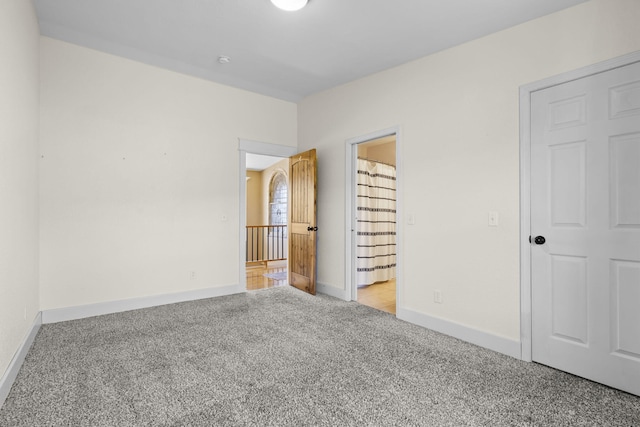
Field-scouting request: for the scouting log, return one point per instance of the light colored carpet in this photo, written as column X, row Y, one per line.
column 280, row 357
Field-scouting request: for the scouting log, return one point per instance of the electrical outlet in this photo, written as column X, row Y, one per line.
column 192, row 276
column 437, row 296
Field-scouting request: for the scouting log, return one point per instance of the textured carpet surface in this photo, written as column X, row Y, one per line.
column 280, row 357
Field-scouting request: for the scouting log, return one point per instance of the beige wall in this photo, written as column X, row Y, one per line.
column 459, row 155
column 255, row 203
column 254, row 213
column 19, row 304
column 385, row 153
column 267, row 174
column 139, row 176
column 139, row 166
column 258, row 192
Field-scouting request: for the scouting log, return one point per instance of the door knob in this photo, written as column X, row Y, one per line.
column 539, row 240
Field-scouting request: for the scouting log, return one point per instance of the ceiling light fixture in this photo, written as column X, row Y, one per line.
column 290, row 5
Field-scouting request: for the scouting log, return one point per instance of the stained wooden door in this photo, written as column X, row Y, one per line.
column 302, row 221
column 585, row 220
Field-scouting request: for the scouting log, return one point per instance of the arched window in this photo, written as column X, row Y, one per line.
column 278, row 199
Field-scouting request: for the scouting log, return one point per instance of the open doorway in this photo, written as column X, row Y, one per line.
column 256, row 157
column 374, row 234
column 266, row 243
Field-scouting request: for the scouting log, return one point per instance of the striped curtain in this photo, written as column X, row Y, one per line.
column 376, row 206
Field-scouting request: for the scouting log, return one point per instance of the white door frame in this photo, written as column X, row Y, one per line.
column 350, row 209
column 255, row 147
column 525, row 182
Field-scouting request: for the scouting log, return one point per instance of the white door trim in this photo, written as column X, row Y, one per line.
column 351, row 157
column 255, row 147
column 525, row 181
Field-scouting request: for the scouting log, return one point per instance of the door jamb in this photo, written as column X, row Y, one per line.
column 255, row 147
column 525, row 183
column 351, row 157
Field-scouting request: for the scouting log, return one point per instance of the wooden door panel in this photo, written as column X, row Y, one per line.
column 302, row 221
column 301, row 228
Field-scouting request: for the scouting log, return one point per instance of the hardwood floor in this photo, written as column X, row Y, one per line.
column 381, row 296
column 256, row 278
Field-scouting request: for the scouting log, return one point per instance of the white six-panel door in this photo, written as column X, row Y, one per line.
column 585, row 203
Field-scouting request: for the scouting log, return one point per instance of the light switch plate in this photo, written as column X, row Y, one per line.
column 493, row 218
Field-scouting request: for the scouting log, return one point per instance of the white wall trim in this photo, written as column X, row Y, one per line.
column 90, row 310
column 332, row 291
column 351, row 156
column 525, row 182
column 255, row 147
column 265, row 148
column 466, row 333
column 18, row 359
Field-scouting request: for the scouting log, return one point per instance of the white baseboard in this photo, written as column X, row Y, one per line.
column 90, row 310
column 18, row 358
column 474, row 336
column 332, row 291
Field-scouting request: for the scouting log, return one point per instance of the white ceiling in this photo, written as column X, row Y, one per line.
column 287, row 55
column 258, row 162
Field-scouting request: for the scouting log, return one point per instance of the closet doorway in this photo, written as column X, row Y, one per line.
column 374, row 223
